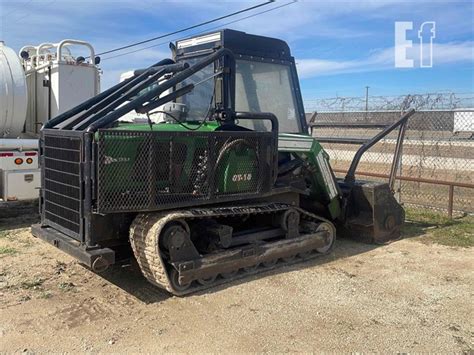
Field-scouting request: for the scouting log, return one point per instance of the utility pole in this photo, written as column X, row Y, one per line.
column 366, row 102
column 367, row 98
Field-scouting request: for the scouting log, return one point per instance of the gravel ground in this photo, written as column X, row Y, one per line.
column 408, row 296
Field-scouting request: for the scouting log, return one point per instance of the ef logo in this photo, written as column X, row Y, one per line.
column 426, row 33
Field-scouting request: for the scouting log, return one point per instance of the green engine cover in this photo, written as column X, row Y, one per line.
column 127, row 158
column 324, row 188
column 237, row 170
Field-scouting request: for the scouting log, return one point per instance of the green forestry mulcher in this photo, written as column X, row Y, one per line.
column 227, row 184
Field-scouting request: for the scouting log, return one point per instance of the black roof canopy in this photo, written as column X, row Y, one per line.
column 238, row 42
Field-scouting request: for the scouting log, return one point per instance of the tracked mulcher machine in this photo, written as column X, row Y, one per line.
column 229, row 183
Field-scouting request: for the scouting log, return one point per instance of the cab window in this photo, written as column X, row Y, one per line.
column 266, row 87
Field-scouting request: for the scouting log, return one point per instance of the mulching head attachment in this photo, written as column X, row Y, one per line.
column 372, row 214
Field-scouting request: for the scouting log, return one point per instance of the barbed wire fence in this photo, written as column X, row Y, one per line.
column 437, row 165
column 427, row 101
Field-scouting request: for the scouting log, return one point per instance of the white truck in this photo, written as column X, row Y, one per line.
column 36, row 85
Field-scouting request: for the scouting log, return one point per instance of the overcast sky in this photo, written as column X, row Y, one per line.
column 340, row 47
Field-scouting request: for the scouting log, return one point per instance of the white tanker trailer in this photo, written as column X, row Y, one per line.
column 35, row 86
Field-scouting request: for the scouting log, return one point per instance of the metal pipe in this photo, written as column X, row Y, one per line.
column 68, row 42
column 413, row 179
column 347, row 125
column 274, row 121
column 350, row 177
column 27, row 49
column 397, row 155
column 157, row 91
column 113, row 116
column 84, row 106
column 175, row 94
column 451, row 185
column 341, row 140
column 49, row 93
column 119, row 98
column 195, row 68
column 165, row 61
column 174, row 67
column 34, row 104
column 91, row 102
column 42, row 46
column 116, row 99
column 259, row 116
column 87, row 176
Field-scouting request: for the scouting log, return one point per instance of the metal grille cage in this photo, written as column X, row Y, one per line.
column 62, row 189
column 152, row 170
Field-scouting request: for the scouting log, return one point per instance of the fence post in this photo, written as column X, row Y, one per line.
column 400, row 169
column 450, row 201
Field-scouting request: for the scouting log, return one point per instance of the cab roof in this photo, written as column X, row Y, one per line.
column 238, row 42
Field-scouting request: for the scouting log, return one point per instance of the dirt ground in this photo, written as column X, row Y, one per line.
column 408, row 296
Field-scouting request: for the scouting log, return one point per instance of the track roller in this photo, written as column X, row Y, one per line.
column 331, row 237
column 176, row 284
column 163, row 244
column 207, row 281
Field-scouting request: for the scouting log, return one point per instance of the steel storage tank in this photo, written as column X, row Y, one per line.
column 13, row 93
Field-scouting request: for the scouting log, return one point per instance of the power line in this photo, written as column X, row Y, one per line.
column 25, row 14
column 17, row 9
column 200, row 32
column 187, row 28
column 43, row 6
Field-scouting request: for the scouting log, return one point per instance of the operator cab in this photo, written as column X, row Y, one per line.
column 262, row 78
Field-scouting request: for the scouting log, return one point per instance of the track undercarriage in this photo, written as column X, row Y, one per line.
column 185, row 251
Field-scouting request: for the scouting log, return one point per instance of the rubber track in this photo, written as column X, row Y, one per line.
column 146, row 228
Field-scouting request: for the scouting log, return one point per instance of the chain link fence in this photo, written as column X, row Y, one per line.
column 428, row 101
column 436, row 169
